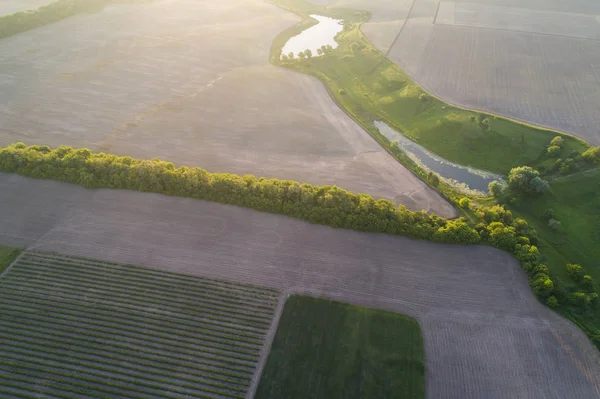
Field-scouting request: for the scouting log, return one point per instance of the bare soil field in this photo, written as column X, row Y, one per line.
column 12, row 6
column 535, row 61
column 196, row 89
column 485, row 334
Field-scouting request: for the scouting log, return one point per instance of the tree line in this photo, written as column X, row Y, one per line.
column 327, row 205
column 60, row 9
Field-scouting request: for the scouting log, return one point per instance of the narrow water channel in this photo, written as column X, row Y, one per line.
column 315, row 37
column 473, row 179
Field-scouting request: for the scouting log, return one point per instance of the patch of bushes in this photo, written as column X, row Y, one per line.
column 526, row 180
column 592, row 155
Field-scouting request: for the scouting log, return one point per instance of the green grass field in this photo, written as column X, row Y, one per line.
column 576, row 202
column 375, row 88
column 7, row 255
column 329, row 350
column 74, row 327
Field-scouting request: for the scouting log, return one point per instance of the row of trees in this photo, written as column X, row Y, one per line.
column 60, row 9
column 326, row 205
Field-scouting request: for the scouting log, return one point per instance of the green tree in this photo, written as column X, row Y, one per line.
column 526, row 180
column 557, row 142
column 433, row 179
column 291, row 55
column 553, row 150
column 464, row 203
column 552, row 302
column 592, row 155
column 575, row 271
column 308, row 53
column 495, row 188
column 548, row 214
column 587, row 282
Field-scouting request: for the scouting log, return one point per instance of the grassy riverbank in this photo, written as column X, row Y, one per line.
column 370, row 87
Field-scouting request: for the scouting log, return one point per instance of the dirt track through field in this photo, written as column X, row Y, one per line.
column 190, row 82
column 485, row 334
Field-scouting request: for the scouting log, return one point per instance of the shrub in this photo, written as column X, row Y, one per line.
column 566, row 166
column 552, row 302
column 587, row 282
column 433, row 179
column 592, row 155
column 464, row 203
column 423, row 97
column 548, row 214
column 542, row 286
column 502, row 237
column 554, row 224
column 553, row 150
column 579, row 299
column 557, row 142
column 495, row 188
column 342, row 92
column 575, row 271
column 527, row 180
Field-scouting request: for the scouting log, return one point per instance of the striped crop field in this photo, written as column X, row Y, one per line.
column 80, row 328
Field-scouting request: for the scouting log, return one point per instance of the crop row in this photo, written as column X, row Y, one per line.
column 108, row 305
column 80, row 281
column 151, row 285
column 230, row 350
column 83, row 385
column 224, row 358
column 49, row 358
column 13, row 308
column 198, row 364
column 136, row 271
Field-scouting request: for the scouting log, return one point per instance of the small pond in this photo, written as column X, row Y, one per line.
column 313, row 38
column 473, row 179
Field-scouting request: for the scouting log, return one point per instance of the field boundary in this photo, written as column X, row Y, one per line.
column 268, row 343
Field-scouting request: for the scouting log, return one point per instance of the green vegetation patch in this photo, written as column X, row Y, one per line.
column 327, row 350
column 567, row 219
column 369, row 86
column 7, row 255
column 74, row 327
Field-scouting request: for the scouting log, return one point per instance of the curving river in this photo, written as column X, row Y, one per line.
column 472, row 179
column 315, row 37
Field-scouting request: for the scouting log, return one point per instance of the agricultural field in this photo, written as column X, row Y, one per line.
column 75, row 327
column 504, row 343
column 197, row 90
column 536, row 61
column 326, row 350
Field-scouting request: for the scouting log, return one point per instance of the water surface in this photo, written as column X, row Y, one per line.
column 473, row 179
column 313, row 38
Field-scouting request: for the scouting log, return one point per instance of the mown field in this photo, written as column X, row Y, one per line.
column 328, row 350
column 74, row 327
